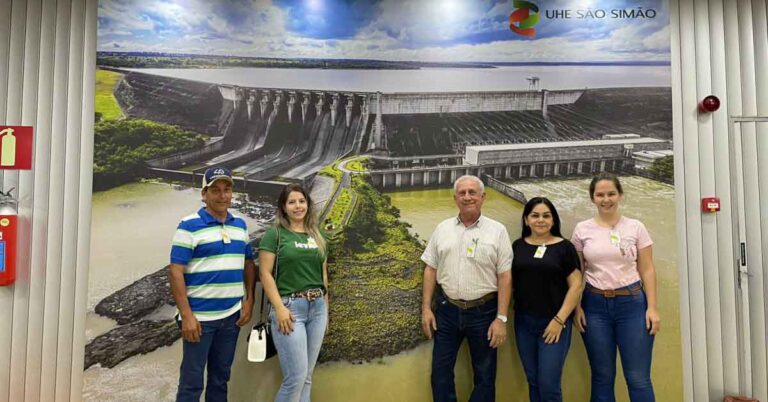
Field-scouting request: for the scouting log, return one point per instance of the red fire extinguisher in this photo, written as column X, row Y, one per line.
column 8, row 222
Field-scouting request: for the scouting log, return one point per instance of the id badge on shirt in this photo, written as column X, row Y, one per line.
column 540, row 251
column 225, row 236
column 472, row 248
column 615, row 238
column 471, row 251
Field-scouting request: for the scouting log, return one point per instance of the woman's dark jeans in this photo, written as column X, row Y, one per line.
column 618, row 322
column 542, row 362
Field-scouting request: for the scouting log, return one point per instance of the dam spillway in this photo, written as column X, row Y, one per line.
column 293, row 132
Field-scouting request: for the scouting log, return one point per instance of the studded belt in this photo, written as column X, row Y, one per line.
column 309, row 294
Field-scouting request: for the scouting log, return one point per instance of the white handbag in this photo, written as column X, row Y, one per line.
column 260, row 344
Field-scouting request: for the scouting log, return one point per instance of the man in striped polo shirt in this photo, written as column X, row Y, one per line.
column 212, row 279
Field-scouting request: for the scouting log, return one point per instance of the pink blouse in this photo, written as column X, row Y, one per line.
column 610, row 254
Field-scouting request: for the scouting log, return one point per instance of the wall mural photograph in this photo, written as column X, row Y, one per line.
column 376, row 107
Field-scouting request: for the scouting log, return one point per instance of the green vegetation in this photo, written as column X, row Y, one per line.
column 340, row 207
column 332, row 171
column 121, row 148
column 145, row 60
column 664, row 167
column 107, row 107
column 375, row 282
column 358, row 165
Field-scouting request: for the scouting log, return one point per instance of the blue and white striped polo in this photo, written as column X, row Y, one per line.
column 213, row 255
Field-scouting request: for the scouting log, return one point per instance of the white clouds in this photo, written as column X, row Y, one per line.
column 422, row 30
column 424, row 21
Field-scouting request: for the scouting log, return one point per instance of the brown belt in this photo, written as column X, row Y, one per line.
column 466, row 304
column 610, row 293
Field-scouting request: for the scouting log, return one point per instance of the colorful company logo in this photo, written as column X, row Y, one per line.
column 523, row 19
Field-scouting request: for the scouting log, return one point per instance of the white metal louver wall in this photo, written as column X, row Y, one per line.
column 47, row 61
column 47, row 64
column 720, row 47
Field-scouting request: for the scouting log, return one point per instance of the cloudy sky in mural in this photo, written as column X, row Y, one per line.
column 420, row 30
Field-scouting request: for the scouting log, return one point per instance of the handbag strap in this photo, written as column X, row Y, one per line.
column 277, row 253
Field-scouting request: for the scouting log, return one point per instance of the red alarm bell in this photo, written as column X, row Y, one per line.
column 709, row 104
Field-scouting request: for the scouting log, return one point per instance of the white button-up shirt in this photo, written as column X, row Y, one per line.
column 468, row 259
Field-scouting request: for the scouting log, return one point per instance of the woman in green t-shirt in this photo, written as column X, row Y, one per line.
column 298, row 293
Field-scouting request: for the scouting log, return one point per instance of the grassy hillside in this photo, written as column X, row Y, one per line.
column 106, row 104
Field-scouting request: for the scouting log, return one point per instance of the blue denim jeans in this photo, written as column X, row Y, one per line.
column 618, row 322
column 216, row 349
column 299, row 349
column 453, row 325
column 542, row 362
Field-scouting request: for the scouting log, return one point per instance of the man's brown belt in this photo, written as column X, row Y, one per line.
column 610, row 293
column 466, row 304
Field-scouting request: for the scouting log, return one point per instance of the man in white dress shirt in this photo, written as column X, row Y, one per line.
column 470, row 257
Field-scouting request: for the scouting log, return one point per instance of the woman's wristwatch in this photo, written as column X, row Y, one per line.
column 502, row 318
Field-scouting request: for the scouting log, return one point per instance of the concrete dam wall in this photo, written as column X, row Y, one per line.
column 469, row 102
column 191, row 105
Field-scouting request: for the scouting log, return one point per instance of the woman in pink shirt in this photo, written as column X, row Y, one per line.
column 618, row 307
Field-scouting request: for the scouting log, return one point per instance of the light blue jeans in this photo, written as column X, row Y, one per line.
column 299, row 349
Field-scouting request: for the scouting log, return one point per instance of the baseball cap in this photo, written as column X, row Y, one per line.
column 216, row 173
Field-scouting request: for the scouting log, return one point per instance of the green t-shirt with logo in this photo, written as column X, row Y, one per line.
column 300, row 264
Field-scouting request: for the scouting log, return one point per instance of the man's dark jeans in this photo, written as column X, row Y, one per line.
column 217, row 349
column 453, row 325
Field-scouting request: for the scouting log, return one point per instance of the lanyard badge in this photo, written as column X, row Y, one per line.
column 225, row 236
column 615, row 238
column 540, row 251
column 472, row 248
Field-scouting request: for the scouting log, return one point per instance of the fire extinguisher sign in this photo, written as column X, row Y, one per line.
column 16, row 147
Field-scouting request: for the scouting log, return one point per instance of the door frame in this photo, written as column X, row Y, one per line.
column 741, row 266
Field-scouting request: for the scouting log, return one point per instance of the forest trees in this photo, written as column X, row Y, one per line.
column 121, row 148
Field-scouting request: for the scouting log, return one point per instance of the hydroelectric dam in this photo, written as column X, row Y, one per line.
column 288, row 134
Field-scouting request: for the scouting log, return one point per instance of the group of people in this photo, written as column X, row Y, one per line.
column 212, row 276
column 602, row 281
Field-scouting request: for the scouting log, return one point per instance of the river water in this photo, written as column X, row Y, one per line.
column 133, row 225
column 507, row 78
column 647, row 200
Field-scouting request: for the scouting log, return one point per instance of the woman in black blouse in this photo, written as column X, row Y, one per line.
column 546, row 283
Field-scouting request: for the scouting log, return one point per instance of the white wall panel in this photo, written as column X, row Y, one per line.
column 726, row 275
column 6, row 294
column 20, row 291
column 71, row 200
column 760, row 38
column 85, row 197
column 708, row 222
column 43, row 132
column 47, row 60
column 56, row 196
column 689, row 217
column 719, row 47
column 678, row 144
